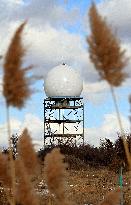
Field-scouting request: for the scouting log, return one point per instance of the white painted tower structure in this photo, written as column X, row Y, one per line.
column 63, row 107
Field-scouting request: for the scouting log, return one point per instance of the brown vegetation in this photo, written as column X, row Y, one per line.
column 109, row 59
column 15, row 88
column 19, row 179
column 105, row 51
column 83, row 181
column 55, row 171
column 27, row 153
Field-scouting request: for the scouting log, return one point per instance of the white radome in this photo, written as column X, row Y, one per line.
column 62, row 81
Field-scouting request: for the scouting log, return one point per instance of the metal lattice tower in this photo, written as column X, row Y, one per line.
column 63, row 121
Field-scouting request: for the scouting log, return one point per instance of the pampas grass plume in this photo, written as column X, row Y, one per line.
column 5, row 171
column 27, row 153
column 105, row 51
column 25, row 194
column 15, row 83
column 55, row 171
column 109, row 60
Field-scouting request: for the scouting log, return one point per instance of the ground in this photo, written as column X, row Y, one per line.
column 89, row 186
column 85, row 186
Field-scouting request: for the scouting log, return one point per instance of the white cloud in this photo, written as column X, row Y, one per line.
column 118, row 14
column 49, row 43
column 46, row 38
column 38, row 11
column 108, row 129
column 96, row 92
column 50, row 47
column 15, row 126
column 41, row 12
column 34, row 125
column 31, row 122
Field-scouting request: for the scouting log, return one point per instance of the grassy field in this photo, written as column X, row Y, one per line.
column 85, row 184
column 88, row 185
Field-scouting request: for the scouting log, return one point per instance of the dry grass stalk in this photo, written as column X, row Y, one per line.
column 55, row 171
column 109, row 59
column 129, row 99
column 105, row 51
column 27, row 153
column 24, row 166
column 5, row 176
column 25, row 194
column 15, row 88
column 112, row 198
column 15, row 85
column 5, row 171
column 127, row 152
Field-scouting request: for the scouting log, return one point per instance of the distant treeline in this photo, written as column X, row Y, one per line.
column 109, row 154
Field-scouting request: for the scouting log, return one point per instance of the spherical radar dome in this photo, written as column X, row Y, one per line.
column 62, row 80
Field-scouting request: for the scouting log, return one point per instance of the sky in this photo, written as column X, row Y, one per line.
column 56, row 32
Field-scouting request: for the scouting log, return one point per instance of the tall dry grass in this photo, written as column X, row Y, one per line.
column 105, row 50
column 16, row 91
column 5, row 176
column 15, row 83
column 55, row 171
column 109, row 60
column 15, row 86
column 25, row 193
column 24, row 170
column 129, row 99
column 56, row 179
column 27, row 153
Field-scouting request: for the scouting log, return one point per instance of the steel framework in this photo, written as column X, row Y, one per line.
column 63, row 120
